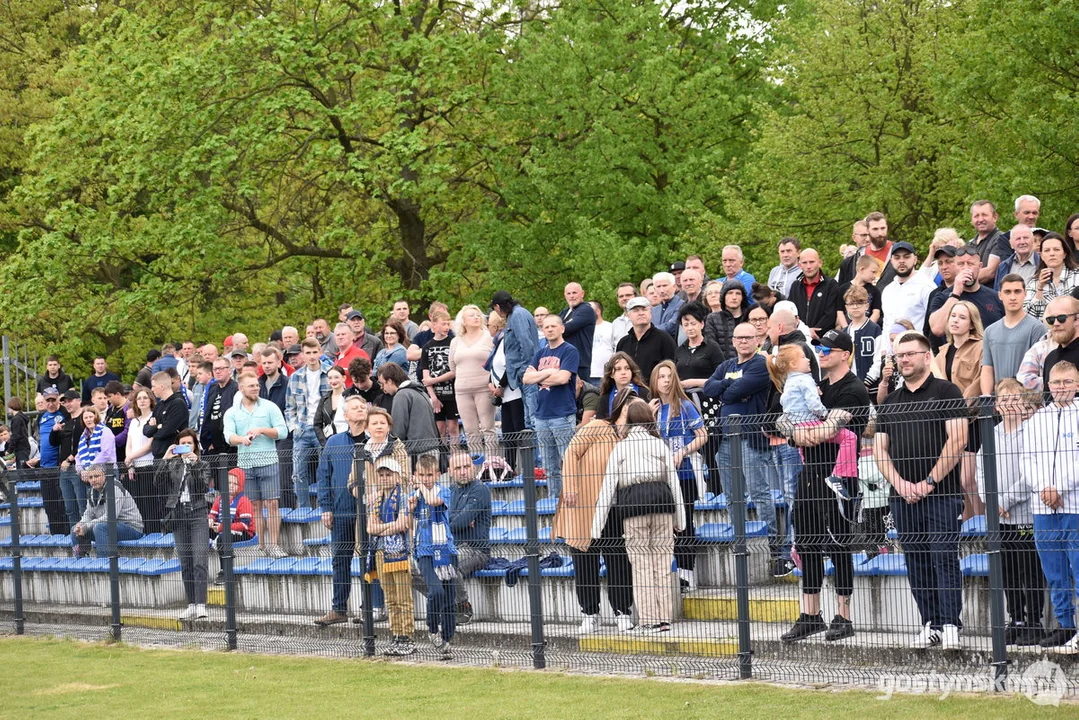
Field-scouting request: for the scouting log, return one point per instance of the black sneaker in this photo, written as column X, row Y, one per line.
column 1057, row 637
column 835, row 484
column 840, row 628
column 782, row 567
column 1032, row 635
column 1013, row 632
column 219, row 579
column 464, row 613
column 805, row 626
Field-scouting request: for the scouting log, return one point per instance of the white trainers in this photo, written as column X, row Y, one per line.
column 624, row 623
column 1071, row 647
column 189, row 613
column 589, row 624
column 949, row 638
column 928, row 638
column 200, row 612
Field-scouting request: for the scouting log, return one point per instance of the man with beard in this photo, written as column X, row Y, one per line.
column 1060, row 315
column 879, row 247
column 907, row 297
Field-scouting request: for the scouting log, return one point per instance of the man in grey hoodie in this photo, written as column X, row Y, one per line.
column 94, row 523
column 413, row 414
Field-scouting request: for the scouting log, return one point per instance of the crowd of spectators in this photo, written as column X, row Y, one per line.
column 630, row 410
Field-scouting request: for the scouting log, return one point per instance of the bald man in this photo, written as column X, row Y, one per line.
column 580, row 327
column 819, row 303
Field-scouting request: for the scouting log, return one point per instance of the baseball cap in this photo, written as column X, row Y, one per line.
column 152, row 354
column 388, row 463
column 903, row 246
column 355, row 315
column 836, row 340
column 786, row 305
column 678, row 266
column 294, row 349
column 228, row 341
column 49, row 391
column 946, row 250
column 238, row 352
column 638, row 302
column 69, row 395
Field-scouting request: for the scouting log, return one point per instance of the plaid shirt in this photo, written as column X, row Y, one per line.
column 296, row 412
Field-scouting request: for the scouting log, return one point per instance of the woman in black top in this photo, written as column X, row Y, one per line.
column 621, row 371
column 696, row 359
column 19, row 445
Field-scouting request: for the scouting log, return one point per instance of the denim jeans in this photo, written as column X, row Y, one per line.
column 553, row 436
column 530, row 394
column 929, row 533
column 1057, row 538
column 788, row 464
column 99, row 533
column 441, row 600
column 755, row 464
column 305, row 448
column 73, row 490
column 343, row 547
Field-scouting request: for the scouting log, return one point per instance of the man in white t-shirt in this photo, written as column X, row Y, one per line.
column 602, row 347
column 306, row 387
column 907, row 296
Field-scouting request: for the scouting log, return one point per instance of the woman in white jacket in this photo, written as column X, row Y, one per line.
column 641, row 486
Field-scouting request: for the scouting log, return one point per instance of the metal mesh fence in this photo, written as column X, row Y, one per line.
column 601, row 548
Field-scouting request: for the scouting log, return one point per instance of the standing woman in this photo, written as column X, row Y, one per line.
column 330, row 416
column 139, row 458
column 469, row 350
column 620, row 372
column 959, row 361
column 641, row 486
column 19, row 444
column 1057, row 274
column 696, row 359
column 97, row 446
column 392, row 349
column 680, row 425
column 183, row 479
column 583, row 467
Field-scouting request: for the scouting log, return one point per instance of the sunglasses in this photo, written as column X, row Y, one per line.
column 966, row 250
column 825, row 351
column 1054, row 319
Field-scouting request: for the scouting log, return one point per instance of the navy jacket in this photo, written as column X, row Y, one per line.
column 334, row 470
column 580, row 328
column 471, row 504
column 743, row 389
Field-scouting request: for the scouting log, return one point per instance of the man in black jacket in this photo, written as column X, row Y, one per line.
column 816, row 296
column 169, row 417
column 219, row 397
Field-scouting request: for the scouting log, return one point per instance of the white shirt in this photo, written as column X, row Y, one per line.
column 905, row 301
column 314, row 378
column 602, row 347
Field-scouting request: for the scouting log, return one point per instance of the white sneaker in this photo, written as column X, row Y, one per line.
column 624, row 623
column 436, row 640
column 589, row 625
column 950, row 638
column 200, row 612
column 927, row 638
column 189, row 613
column 1071, row 647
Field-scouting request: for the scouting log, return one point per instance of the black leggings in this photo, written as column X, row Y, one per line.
column 1024, row 583
column 820, row 530
column 612, row 546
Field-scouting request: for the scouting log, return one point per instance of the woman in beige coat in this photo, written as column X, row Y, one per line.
column 583, row 467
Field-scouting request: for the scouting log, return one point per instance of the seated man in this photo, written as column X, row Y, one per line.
column 94, row 523
column 470, row 523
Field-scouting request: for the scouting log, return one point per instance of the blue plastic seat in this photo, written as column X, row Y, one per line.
column 975, row 565
column 28, row 486
column 974, row 527
column 496, row 535
column 516, row 536
column 547, row 506
column 315, row 542
column 131, row 566
column 159, row 567
column 498, row 506
column 303, row 515
column 8, row 563
column 306, row 566
column 517, row 507
column 778, row 499
column 257, row 566
column 716, row 533
column 564, row 570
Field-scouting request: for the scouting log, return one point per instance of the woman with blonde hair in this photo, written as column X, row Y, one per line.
column 681, row 426
column 469, row 350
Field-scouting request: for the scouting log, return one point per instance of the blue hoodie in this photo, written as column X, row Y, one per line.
column 743, row 389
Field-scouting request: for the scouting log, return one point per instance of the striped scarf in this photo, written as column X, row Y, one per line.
column 90, row 446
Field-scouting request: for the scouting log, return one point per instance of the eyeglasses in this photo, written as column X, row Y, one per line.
column 745, row 338
column 1051, row 320
column 1061, row 383
column 825, row 351
column 908, row 355
column 758, row 321
column 857, row 304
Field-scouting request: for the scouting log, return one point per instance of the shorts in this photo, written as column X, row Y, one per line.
column 449, row 408
column 262, row 483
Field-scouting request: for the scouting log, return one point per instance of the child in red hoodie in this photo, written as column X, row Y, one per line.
column 242, row 514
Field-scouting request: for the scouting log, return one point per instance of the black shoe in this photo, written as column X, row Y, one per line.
column 1057, row 637
column 1031, row 635
column 464, row 613
column 684, row 586
column 219, row 579
column 782, row 567
column 840, row 628
column 1013, row 632
column 805, row 626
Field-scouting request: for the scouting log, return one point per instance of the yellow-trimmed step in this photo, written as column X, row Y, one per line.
column 659, row 645
column 151, row 622
column 773, row 610
column 215, row 596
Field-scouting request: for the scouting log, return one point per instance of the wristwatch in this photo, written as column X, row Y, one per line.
column 931, row 481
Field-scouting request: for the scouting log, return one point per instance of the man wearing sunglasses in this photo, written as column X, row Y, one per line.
column 1060, row 316
column 965, row 286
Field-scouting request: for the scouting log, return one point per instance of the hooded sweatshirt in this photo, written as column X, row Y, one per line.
column 97, row 512
column 414, row 419
column 719, row 326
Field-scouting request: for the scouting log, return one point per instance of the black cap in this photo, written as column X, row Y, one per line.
column 238, row 352
column 678, row 266
column 836, row 340
column 502, row 298
column 904, row 246
column 69, row 395
column 294, row 349
column 355, row 315
column 152, row 355
column 946, row 250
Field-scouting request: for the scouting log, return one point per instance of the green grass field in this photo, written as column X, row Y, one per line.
column 54, row 679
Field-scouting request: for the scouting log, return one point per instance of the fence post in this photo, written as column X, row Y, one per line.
column 16, row 551
column 992, row 526
column 114, row 553
column 736, row 501
column 7, row 369
column 526, row 459
column 224, row 540
column 359, row 458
